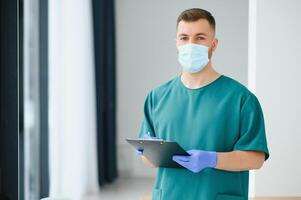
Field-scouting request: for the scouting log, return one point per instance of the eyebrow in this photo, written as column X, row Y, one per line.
column 204, row 34
column 198, row 34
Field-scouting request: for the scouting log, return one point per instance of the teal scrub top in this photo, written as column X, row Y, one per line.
column 221, row 116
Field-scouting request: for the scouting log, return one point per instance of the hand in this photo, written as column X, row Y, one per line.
column 139, row 152
column 144, row 159
column 198, row 160
column 148, row 137
column 147, row 162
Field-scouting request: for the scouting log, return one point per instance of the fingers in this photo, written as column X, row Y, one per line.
column 194, row 151
column 181, row 158
column 139, row 152
column 182, row 163
column 191, row 151
column 148, row 137
column 145, row 136
column 147, row 162
column 187, row 165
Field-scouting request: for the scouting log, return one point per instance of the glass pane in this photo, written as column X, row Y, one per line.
column 31, row 100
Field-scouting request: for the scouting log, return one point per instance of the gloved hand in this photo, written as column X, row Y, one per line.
column 139, row 152
column 198, row 160
column 148, row 137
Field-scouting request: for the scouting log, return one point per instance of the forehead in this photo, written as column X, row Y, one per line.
column 192, row 28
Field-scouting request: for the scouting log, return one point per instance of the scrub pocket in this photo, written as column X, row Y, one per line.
column 157, row 194
column 228, row 197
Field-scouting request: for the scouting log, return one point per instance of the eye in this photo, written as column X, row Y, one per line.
column 183, row 38
column 200, row 38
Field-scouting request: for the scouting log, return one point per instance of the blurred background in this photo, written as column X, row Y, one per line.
column 74, row 76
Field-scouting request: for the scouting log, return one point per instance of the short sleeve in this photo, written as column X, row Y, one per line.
column 147, row 126
column 252, row 129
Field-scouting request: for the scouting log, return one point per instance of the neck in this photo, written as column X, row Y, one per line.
column 201, row 78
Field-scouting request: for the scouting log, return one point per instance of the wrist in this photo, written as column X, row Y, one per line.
column 213, row 159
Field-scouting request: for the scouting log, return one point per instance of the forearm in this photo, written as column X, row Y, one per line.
column 147, row 162
column 239, row 160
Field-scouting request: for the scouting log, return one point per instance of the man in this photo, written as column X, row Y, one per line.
column 217, row 119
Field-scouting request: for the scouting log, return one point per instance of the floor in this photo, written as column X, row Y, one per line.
column 276, row 198
column 140, row 189
column 125, row 189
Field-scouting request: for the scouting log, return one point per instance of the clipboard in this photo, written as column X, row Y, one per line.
column 159, row 152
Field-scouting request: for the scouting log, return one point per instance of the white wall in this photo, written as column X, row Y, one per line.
column 72, row 107
column 278, row 89
column 146, row 57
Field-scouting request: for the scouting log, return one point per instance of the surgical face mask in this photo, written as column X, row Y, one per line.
column 193, row 57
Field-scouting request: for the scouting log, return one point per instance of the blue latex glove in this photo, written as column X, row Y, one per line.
column 198, row 160
column 148, row 137
column 139, row 152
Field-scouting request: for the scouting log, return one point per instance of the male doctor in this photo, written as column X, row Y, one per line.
column 217, row 119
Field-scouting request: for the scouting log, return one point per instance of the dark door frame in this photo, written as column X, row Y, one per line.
column 9, row 98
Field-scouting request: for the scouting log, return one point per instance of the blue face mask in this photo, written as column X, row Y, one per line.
column 193, row 57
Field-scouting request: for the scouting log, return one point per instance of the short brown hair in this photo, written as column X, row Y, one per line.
column 194, row 14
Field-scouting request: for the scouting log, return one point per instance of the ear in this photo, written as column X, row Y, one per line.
column 214, row 44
